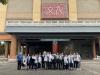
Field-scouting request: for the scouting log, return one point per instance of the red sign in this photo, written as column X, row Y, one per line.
column 54, row 10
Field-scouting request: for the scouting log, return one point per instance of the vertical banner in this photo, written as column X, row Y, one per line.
column 54, row 10
column 55, row 47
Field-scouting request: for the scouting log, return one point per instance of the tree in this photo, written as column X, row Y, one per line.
column 4, row 2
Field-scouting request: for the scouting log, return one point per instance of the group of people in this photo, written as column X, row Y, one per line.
column 47, row 60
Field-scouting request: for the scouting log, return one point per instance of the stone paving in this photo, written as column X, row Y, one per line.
column 86, row 69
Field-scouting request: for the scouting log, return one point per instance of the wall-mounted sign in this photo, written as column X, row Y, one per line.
column 54, row 10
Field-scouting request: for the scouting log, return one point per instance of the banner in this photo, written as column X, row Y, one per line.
column 54, row 10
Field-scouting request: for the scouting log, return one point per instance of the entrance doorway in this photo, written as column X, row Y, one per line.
column 39, row 47
column 82, row 46
column 4, row 49
column 35, row 47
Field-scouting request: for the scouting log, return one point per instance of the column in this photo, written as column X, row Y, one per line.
column 3, row 9
column 55, row 47
column 6, row 49
column 19, row 46
column 13, row 48
column 99, row 44
column 94, row 49
column 72, row 10
column 28, row 49
column 36, row 10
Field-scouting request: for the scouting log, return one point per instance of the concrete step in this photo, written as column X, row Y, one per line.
column 3, row 60
column 91, row 61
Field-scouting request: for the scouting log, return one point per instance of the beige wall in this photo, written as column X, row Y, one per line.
column 36, row 10
column 72, row 10
column 2, row 17
column 54, row 1
column 88, row 9
column 20, row 9
column 23, row 9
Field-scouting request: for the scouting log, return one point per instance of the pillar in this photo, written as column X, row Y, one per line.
column 3, row 9
column 19, row 46
column 55, row 47
column 36, row 10
column 99, row 44
column 94, row 49
column 13, row 48
column 6, row 49
column 72, row 10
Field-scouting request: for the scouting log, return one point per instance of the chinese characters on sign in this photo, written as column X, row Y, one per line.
column 54, row 10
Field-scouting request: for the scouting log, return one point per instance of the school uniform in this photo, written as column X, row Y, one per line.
column 33, row 62
column 66, row 62
column 42, row 61
column 45, row 61
column 70, row 61
column 28, row 62
column 54, row 61
column 57, row 61
column 24, row 63
column 36, row 62
column 50, row 61
column 76, row 60
column 79, row 60
column 39, row 61
column 61, row 61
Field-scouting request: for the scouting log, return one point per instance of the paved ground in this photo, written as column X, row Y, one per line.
column 86, row 69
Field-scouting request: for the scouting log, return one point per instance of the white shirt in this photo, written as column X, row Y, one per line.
column 35, row 58
column 70, row 59
column 45, row 58
column 61, row 57
column 24, row 60
column 39, row 59
column 50, row 58
column 77, row 57
column 65, row 59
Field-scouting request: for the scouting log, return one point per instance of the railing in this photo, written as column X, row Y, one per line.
column 53, row 23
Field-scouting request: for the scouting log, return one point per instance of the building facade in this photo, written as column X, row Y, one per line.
column 52, row 25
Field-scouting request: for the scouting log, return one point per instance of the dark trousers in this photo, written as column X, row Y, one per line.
column 53, row 64
column 45, row 65
column 58, row 64
column 19, row 63
column 49, row 65
column 71, row 65
column 28, row 65
column 66, row 66
column 76, row 63
column 39, row 65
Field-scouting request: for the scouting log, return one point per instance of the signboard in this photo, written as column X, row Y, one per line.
column 54, row 10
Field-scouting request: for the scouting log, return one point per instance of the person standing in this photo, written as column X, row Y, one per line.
column 54, row 61
column 28, row 61
column 57, row 61
column 50, row 60
column 39, row 61
column 32, row 60
column 36, row 62
column 71, row 61
column 77, row 60
column 66, row 62
column 46, row 61
column 19, row 60
column 61, row 61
